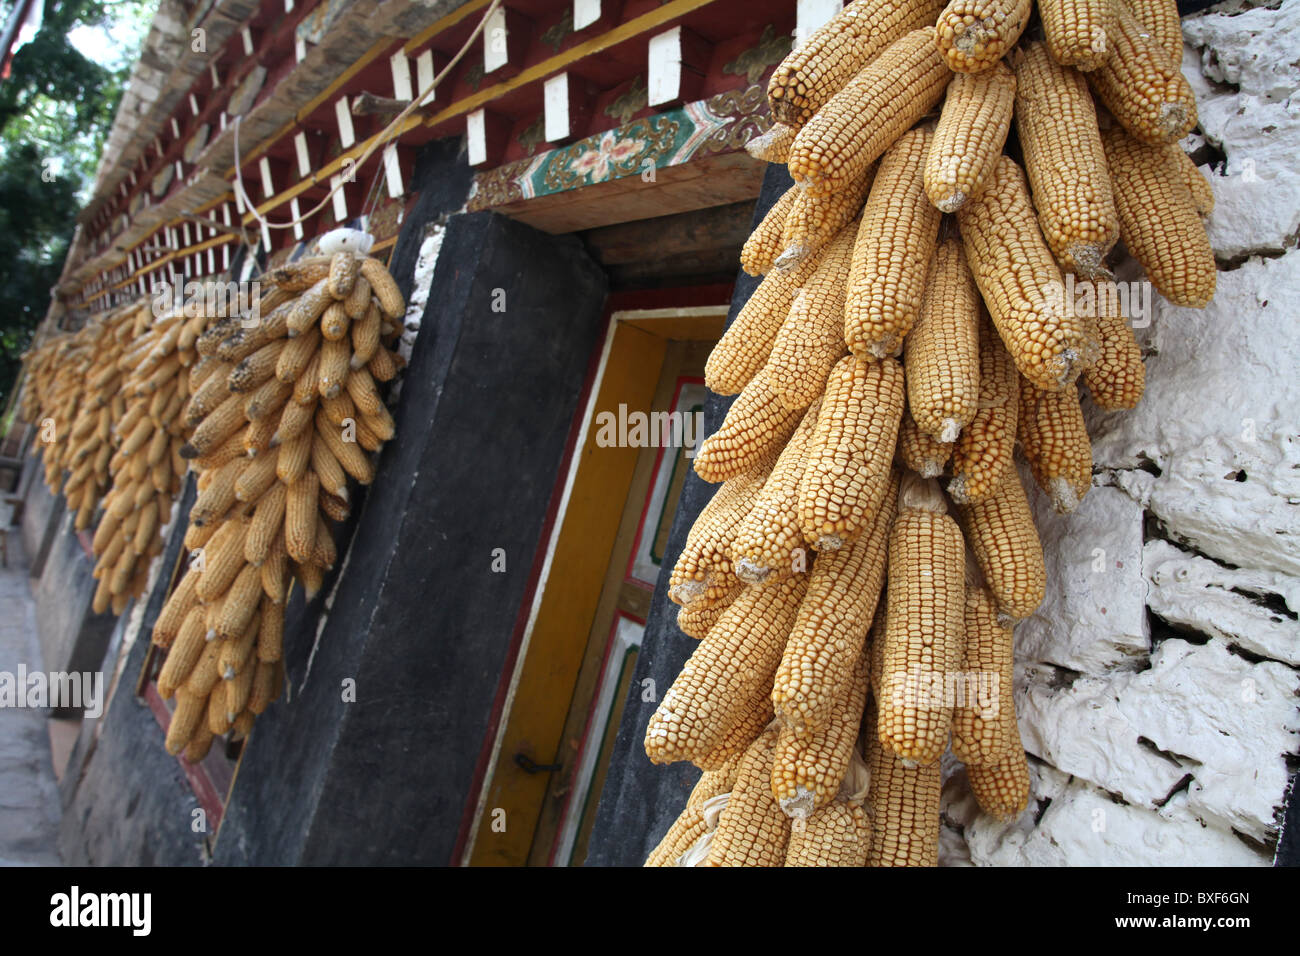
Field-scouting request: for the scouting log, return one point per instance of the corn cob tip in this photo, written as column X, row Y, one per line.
column 211, row 635
column 1006, row 620
column 686, row 592
column 355, row 362
column 952, row 203
column 921, row 494
column 752, row 573
column 228, row 674
column 1064, row 498
column 189, row 451
column 801, row 805
column 829, row 542
column 948, row 434
column 1087, row 257
column 292, row 333
column 790, row 257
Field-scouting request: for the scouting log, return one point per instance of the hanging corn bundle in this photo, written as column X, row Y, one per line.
column 910, row 332
column 283, row 411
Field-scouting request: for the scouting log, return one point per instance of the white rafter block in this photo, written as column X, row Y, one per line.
column 347, row 136
column 424, row 76
column 266, row 238
column 811, row 14
column 180, row 171
column 392, row 172
column 304, row 159
column 264, row 167
column 294, row 211
column 216, row 77
column 185, row 236
column 212, row 259
column 340, row 200
column 665, row 67
column 299, row 49
column 476, row 137
column 585, row 13
column 400, row 64
column 288, row 6
column 176, row 130
column 225, row 256
column 495, row 41
column 246, row 35
column 555, row 102
column 194, row 105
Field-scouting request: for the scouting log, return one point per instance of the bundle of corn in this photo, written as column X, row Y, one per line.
column 283, row 411
column 87, row 402
column 913, row 327
column 147, row 469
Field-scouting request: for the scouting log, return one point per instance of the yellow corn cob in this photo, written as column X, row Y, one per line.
column 294, row 420
column 183, row 654
column 363, row 393
column 294, row 457
column 235, row 653
column 200, row 743
column 892, row 253
column 185, row 719
column 1054, row 438
column 311, row 578
column 838, row 834
column 215, row 500
column 923, row 625
column 768, row 543
column 1078, row 31
column 1019, row 280
column 774, row 145
column 850, row 452
column 809, row 768
column 1057, row 123
column 334, row 323
column 764, row 243
column 357, row 302
column 384, row 364
column 969, row 137
column 268, row 518
column 973, row 35
column 267, row 399
column 261, row 695
column 145, row 529
column 174, row 610
column 731, row 667
column 240, row 603
column 343, row 274
column 728, row 751
column 1158, row 220
column 383, row 287
column 333, row 368
column 1197, row 185
column 692, row 824
column 275, row 569
column 242, row 726
column 811, row 75
column 1117, row 379
column 205, row 398
column 332, row 506
column 811, row 339
column 941, row 354
column 1161, row 20
column 983, row 452
column 747, row 342
column 830, row 629
column 814, row 221
column 752, row 830
column 296, row 355
column 704, row 565
column 904, row 806
column 365, row 337
column 308, row 307
column 1144, row 90
column 270, row 632
column 1000, row 532
column 348, row 454
column 205, row 675
column 300, row 517
column 979, row 723
column 340, row 408
column 257, row 438
column 1002, row 788
column 256, row 368
column 755, row 424
column 697, row 618
column 856, row 126
column 301, row 275
column 327, row 468
column 919, row 452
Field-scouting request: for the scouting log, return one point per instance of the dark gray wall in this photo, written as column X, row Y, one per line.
column 641, row 800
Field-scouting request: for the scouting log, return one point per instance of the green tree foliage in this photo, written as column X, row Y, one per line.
column 56, row 109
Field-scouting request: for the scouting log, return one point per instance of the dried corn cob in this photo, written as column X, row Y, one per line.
column 752, row 830
column 941, row 354
column 891, row 256
column 1144, row 90
column 755, row 425
column 923, row 624
column 1078, row 31
column 861, row 121
column 919, row 452
column 973, row 35
column 969, row 137
column 851, row 450
column 904, row 806
column 1000, row 532
column 1158, row 221
column 1054, row 438
column 824, row 64
column 1161, row 20
column 980, row 722
column 764, row 243
column 983, row 451
column 814, row 221
column 1118, row 377
column 774, row 145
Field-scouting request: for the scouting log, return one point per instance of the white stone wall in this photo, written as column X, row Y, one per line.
column 1157, row 686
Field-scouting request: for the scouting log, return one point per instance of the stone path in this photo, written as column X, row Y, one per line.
column 29, row 798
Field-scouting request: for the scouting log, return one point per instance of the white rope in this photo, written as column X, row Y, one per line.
column 388, row 133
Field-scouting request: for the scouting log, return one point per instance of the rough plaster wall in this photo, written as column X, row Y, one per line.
column 1157, row 686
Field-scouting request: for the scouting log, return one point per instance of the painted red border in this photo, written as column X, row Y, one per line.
column 205, row 791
